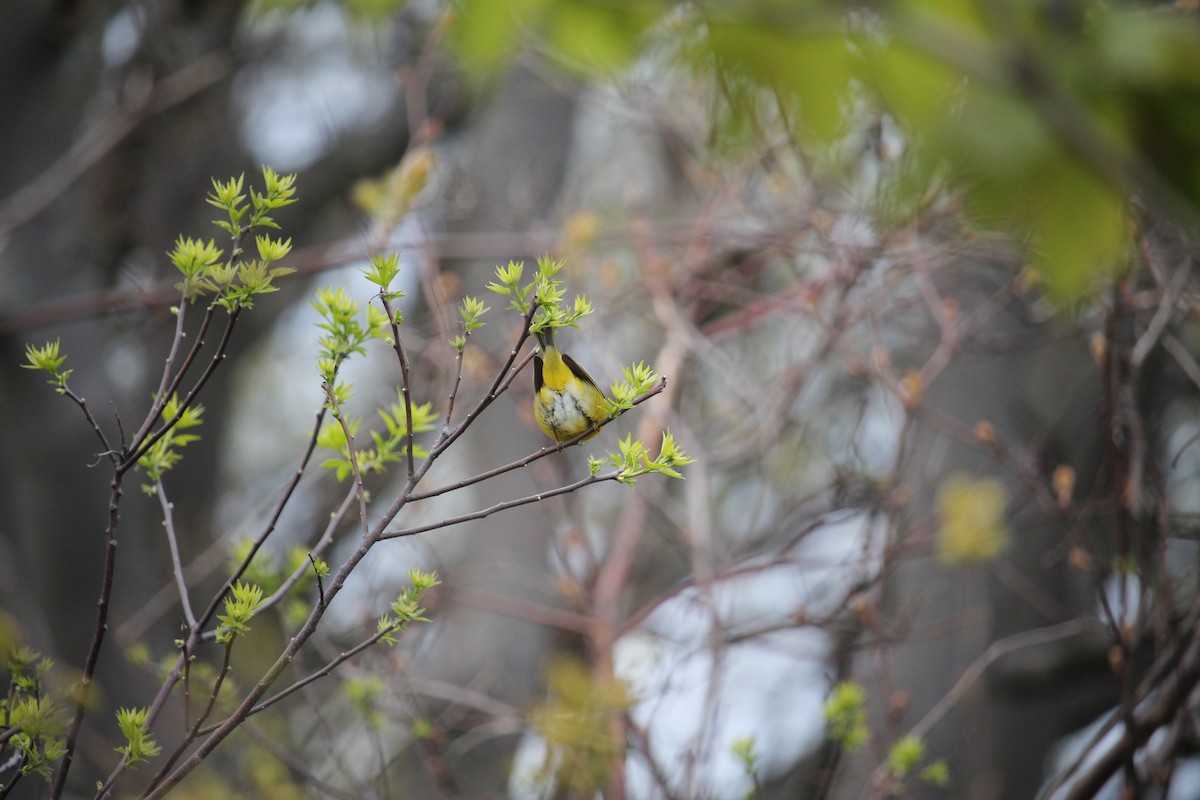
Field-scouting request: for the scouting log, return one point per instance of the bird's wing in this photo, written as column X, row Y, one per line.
column 578, row 371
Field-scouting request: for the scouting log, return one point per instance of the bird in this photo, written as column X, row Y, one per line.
column 566, row 401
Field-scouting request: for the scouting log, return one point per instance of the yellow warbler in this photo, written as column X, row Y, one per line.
column 566, row 401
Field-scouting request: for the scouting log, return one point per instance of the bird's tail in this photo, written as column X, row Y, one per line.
column 545, row 338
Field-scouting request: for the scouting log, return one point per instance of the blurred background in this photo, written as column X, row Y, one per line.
column 919, row 275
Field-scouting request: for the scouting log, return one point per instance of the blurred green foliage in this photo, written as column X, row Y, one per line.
column 1056, row 121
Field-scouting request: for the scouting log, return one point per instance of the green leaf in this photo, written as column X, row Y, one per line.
column 471, row 310
column 243, row 600
column 595, row 36
column 45, row 358
column 487, row 33
column 383, row 269
column 164, row 453
column 1081, row 229
column 846, row 716
column 936, row 774
column 139, row 744
column 971, row 513
column 814, row 69
column 904, row 756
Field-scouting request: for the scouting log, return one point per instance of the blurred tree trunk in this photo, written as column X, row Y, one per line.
column 1041, row 393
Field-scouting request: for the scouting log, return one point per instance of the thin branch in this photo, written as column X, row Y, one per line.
column 93, row 656
column 195, row 730
column 516, row 608
column 36, row 196
column 458, row 365
column 322, row 258
column 329, row 667
column 274, row 520
column 217, row 358
column 1038, row 637
column 168, row 510
column 173, row 353
column 282, row 662
column 335, row 519
column 1104, row 760
column 405, row 386
column 297, row 764
column 166, row 390
column 503, row 506
column 108, row 451
column 514, row 372
column 1158, row 323
column 502, row 382
column 320, row 583
column 639, row 737
column 1183, row 358
column 350, row 454
column 16, row 777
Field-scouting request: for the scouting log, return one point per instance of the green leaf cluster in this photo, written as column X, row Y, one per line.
column 905, row 757
column 508, row 283
column 363, row 12
column 1046, row 126
column 636, row 381
column 382, row 271
column 747, row 757
column 406, row 608
column 390, row 197
column 970, row 92
column 280, row 191
column 270, row 572
column 389, row 447
column 471, row 312
column 198, row 261
column 164, row 454
column 243, row 600
column 633, row 461
column 579, row 35
column 28, row 669
column 936, row 774
column 545, row 289
column 139, row 744
column 574, row 720
column 236, row 281
column 47, row 359
column 32, row 712
column 364, row 693
column 345, row 332
column 846, row 715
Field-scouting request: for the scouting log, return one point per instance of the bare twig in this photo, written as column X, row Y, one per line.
column 335, row 519
column 503, row 506
column 168, row 510
column 195, row 729
column 108, row 452
column 93, row 656
column 405, row 385
column 351, row 455
column 138, row 451
column 35, row 197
